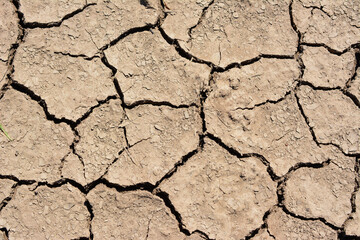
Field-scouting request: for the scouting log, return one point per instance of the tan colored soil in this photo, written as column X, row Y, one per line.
column 46, row 213
column 151, row 69
column 180, row 119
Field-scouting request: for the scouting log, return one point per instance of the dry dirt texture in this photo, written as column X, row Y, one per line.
column 180, row 119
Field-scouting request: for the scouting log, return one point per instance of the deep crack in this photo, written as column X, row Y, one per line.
column 154, row 188
column 91, row 212
column 51, row 117
column 263, row 226
column 165, row 197
column 49, row 24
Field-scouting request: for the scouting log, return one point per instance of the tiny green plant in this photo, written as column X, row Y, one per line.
column 3, row 130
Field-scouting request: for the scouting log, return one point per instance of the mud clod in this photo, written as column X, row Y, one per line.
column 184, row 120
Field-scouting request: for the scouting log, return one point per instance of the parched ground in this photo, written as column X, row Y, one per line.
column 180, row 119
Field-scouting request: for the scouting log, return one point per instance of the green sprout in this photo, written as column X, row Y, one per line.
column 3, row 130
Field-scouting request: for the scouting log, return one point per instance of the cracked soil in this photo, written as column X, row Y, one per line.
column 180, row 119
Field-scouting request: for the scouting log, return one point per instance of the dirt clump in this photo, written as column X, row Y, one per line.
column 184, row 120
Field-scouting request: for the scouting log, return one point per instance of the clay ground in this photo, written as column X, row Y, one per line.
column 180, row 119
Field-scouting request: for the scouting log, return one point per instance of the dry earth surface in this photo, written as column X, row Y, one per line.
column 180, row 119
